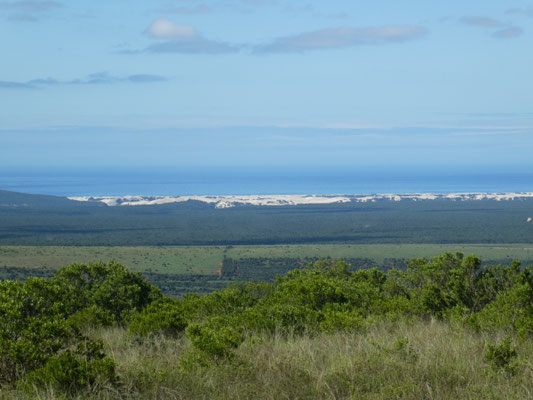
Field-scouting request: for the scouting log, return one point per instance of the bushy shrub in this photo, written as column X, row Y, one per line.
column 74, row 370
column 433, row 300
column 215, row 338
column 42, row 321
column 109, row 287
column 33, row 325
column 272, row 316
column 502, row 356
column 165, row 316
column 512, row 309
column 338, row 320
column 91, row 316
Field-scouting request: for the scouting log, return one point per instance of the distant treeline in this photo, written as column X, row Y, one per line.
column 41, row 220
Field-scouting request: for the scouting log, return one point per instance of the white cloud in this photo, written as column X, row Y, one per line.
column 163, row 28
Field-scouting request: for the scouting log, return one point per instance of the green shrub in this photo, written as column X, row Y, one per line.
column 165, row 316
column 110, row 287
column 273, row 316
column 74, row 370
column 434, row 300
column 216, row 338
column 512, row 309
column 335, row 321
column 33, row 325
column 91, row 316
column 41, row 320
column 502, row 356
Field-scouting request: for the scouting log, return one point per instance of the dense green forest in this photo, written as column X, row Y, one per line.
column 444, row 328
column 47, row 220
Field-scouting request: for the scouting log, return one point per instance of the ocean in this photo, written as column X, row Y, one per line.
column 174, row 181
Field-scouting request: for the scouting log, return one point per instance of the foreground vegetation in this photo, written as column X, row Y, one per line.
column 444, row 328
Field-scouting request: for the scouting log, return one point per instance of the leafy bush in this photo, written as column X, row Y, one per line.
column 109, row 287
column 501, row 356
column 214, row 338
column 33, row 325
column 165, row 316
column 91, row 316
column 74, row 370
column 335, row 321
column 42, row 320
column 512, row 309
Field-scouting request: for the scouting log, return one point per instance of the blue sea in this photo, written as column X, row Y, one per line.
column 259, row 180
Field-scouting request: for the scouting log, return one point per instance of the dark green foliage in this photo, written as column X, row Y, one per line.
column 512, row 309
column 110, row 287
column 340, row 320
column 42, row 323
column 433, row 300
column 74, row 370
column 215, row 339
column 328, row 296
column 33, row 324
column 165, row 316
column 91, row 316
column 502, row 356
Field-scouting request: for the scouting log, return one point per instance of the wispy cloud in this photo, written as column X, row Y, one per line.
column 259, row 3
column 484, row 22
column 33, row 6
column 197, row 45
column 508, row 33
column 505, row 31
column 146, row 78
column 190, row 7
column 528, row 12
column 310, row 9
column 98, row 78
column 28, row 10
column 14, row 85
column 185, row 39
column 188, row 10
column 342, row 37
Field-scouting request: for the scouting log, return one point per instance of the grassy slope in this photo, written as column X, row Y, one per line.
column 423, row 360
column 206, row 259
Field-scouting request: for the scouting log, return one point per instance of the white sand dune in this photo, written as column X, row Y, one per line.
column 285, row 200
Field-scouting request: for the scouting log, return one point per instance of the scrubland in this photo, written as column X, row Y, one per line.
column 444, row 328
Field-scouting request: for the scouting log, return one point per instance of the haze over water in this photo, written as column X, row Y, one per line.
column 241, row 181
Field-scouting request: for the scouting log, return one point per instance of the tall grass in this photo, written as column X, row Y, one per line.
column 419, row 360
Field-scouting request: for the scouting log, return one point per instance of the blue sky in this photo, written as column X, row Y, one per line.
column 266, row 82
